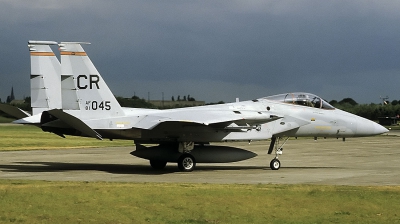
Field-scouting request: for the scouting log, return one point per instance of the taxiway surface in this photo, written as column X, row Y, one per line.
column 357, row 161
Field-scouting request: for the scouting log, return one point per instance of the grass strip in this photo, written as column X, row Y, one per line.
column 101, row 202
column 6, row 119
column 23, row 137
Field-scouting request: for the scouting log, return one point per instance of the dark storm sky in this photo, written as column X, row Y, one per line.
column 215, row 50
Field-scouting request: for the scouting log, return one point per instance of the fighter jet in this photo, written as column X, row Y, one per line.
column 185, row 135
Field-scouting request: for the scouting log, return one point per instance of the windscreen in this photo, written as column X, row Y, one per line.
column 303, row 99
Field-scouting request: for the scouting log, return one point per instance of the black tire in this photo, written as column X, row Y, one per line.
column 158, row 164
column 275, row 164
column 186, row 163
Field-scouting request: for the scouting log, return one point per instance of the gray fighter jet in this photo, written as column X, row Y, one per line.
column 185, row 135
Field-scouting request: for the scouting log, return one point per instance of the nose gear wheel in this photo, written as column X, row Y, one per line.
column 275, row 164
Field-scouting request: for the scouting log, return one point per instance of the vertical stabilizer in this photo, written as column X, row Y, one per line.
column 88, row 89
column 45, row 77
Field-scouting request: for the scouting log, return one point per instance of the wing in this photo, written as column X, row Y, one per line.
column 219, row 119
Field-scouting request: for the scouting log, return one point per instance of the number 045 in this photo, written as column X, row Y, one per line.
column 102, row 105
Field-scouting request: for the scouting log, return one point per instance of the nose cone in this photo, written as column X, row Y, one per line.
column 369, row 128
column 379, row 129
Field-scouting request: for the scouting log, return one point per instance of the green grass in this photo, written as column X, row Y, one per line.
column 6, row 120
column 99, row 202
column 393, row 127
column 23, row 137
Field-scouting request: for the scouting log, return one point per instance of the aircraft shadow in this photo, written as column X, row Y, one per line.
column 65, row 167
column 125, row 169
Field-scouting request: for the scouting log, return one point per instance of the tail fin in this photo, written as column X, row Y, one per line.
column 45, row 77
column 83, row 88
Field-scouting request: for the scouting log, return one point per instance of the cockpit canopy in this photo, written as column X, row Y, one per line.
column 304, row 99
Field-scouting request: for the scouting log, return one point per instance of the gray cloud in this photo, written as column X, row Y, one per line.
column 216, row 50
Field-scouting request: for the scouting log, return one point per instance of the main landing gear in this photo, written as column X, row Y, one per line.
column 275, row 164
column 186, row 162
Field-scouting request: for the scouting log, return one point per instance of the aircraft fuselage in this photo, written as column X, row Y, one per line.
column 293, row 121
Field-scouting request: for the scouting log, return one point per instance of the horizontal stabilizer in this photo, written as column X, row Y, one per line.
column 74, row 123
column 14, row 111
column 32, row 120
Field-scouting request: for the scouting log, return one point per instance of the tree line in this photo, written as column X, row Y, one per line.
column 370, row 111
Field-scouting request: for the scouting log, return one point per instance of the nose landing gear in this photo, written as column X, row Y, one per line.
column 275, row 164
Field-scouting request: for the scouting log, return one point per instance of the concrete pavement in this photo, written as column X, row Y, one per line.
column 357, row 161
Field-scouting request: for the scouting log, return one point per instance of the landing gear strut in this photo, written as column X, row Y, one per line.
column 275, row 164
